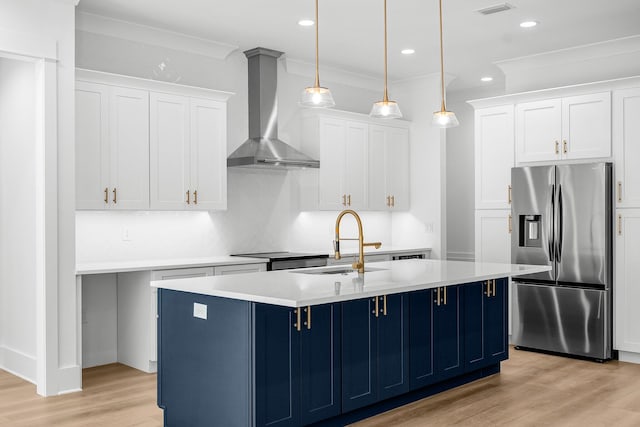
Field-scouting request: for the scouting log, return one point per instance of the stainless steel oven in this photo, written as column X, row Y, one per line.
column 289, row 260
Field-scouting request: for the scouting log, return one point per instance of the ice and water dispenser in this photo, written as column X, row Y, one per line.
column 530, row 231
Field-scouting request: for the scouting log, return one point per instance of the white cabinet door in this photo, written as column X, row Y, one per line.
column 397, row 173
column 208, row 155
column 356, row 165
column 586, row 126
column 493, row 235
column 333, row 139
column 129, row 148
column 538, row 130
column 169, row 161
column 494, row 155
column 92, row 146
column 224, row 270
column 627, row 281
column 626, row 142
column 378, row 164
column 388, row 168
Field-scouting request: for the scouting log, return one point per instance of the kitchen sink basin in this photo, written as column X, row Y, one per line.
column 338, row 270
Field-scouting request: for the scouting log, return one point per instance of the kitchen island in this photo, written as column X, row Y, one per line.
column 299, row 347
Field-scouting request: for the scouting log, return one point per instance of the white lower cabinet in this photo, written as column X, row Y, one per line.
column 224, row 270
column 627, row 285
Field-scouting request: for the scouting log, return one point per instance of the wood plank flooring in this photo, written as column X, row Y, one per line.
column 533, row 389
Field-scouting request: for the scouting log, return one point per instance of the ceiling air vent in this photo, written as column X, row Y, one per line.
column 495, row 9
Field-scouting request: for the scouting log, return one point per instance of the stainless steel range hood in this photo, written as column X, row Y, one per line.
column 263, row 149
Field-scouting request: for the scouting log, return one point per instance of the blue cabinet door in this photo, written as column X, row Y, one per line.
column 359, row 354
column 486, row 334
column 421, row 336
column 393, row 345
column 448, row 350
column 320, row 374
column 497, row 322
column 277, row 366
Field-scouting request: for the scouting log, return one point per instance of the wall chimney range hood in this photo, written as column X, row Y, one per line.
column 263, row 149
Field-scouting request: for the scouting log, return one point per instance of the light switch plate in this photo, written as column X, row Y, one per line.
column 200, row 311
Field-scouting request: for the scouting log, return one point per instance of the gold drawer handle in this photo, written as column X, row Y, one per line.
column 115, row 195
column 195, row 197
column 106, row 194
column 393, row 201
column 188, row 197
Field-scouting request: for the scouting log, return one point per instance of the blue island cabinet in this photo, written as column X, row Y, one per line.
column 375, row 350
column 437, row 335
column 236, row 363
column 486, row 323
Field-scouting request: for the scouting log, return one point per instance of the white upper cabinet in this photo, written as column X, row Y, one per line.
column 144, row 144
column 626, row 142
column 494, row 157
column 363, row 164
column 112, row 147
column 576, row 127
column 388, row 168
column 188, row 153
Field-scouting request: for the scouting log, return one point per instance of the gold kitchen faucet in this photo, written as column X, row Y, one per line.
column 336, row 243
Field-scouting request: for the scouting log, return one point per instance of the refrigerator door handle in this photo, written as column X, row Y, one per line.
column 550, row 216
column 560, row 225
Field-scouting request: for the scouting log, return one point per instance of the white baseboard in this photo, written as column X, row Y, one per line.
column 89, row 360
column 69, row 379
column 627, row 356
column 461, row 256
column 19, row 364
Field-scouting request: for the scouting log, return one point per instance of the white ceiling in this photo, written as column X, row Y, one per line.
column 351, row 36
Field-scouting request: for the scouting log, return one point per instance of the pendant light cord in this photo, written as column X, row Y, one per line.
column 441, row 60
column 317, row 48
column 385, row 98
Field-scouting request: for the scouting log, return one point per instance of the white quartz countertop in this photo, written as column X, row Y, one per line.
column 294, row 288
column 352, row 250
column 162, row 264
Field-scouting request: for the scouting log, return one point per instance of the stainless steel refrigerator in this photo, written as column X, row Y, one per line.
column 563, row 217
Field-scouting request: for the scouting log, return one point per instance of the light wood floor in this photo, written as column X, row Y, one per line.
column 533, row 389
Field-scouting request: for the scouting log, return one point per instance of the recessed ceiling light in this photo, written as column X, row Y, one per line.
column 305, row 22
column 408, row 51
column 528, row 24
column 486, row 79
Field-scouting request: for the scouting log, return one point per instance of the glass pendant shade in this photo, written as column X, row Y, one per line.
column 445, row 119
column 385, row 110
column 317, row 97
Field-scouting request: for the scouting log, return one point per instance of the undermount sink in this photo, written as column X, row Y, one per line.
column 338, row 270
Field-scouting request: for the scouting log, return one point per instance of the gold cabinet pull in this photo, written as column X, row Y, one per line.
column 510, row 225
column 349, row 200
column 376, row 310
column 619, row 191
column 195, row 197
column 188, row 197
column 438, row 297
column 298, row 325
column 557, row 148
column 389, row 201
column 509, row 194
column 384, row 305
column 106, row 194
column 493, row 282
column 393, row 201
column 488, row 290
column 564, row 146
column 619, row 225
column 444, row 291
column 115, row 195
column 344, row 200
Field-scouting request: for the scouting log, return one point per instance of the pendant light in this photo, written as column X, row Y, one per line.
column 443, row 118
column 385, row 109
column 317, row 96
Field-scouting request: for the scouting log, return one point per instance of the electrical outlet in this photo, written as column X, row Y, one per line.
column 126, row 236
column 200, row 311
column 428, row 227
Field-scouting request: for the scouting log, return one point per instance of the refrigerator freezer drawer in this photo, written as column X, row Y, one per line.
column 566, row 320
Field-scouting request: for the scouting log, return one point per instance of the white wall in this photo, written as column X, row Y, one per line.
column 17, row 217
column 48, row 25
column 262, row 209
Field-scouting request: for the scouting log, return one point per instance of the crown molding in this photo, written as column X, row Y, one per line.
column 97, row 24
column 335, row 75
